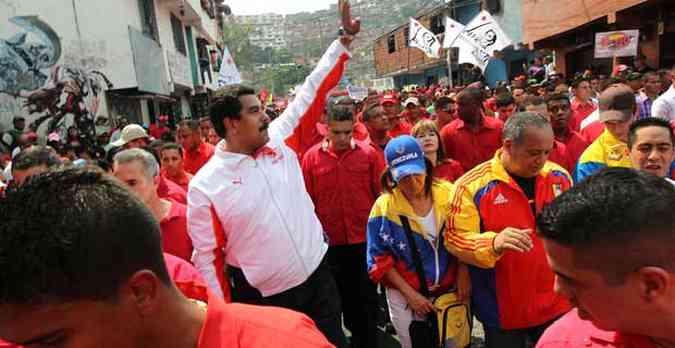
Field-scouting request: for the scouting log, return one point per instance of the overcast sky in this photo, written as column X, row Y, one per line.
column 249, row 7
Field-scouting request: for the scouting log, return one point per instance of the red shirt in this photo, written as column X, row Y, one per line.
column 167, row 189
column 560, row 156
column 575, row 144
column 238, row 325
column 194, row 160
column 580, row 112
column 360, row 133
column 449, row 170
column 344, row 188
column 186, row 278
column 157, row 132
column 471, row 148
column 402, row 128
column 570, row 331
column 175, row 238
column 182, row 181
column 593, row 131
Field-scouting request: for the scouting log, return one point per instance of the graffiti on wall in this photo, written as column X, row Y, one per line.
column 49, row 92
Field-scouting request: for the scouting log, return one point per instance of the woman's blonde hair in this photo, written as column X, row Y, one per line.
column 424, row 126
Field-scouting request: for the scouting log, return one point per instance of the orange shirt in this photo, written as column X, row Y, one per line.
column 579, row 112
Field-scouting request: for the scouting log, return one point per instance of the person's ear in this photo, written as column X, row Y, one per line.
column 142, row 290
column 231, row 125
column 508, row 146
column 655, row 283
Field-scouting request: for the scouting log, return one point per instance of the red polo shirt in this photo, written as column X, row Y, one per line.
column 576, row 144
column 449, row 170
column 175, row 238
column 238, row 325
column 167, row 189
column 194, row 160
column 579, row 112
column 471, row 148
column 344, row 188
column 593, row 131
column 182, row 181
column 402, row 128
column 157, row 132
column 570, row 331
column 561, row 157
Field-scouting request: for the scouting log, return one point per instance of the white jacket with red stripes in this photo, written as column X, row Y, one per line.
column 254, row 212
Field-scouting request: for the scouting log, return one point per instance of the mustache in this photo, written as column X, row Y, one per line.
column 264, row 126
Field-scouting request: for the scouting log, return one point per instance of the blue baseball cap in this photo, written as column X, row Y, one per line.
column 404, row 157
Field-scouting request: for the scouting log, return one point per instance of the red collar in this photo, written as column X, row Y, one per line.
column 177, row 210
column 265, row 151
column 487, row 123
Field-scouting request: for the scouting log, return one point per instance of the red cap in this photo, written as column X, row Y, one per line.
column 388, row 98
column 163, row 118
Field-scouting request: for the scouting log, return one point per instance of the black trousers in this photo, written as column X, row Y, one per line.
column 357, row 292
column 520, row 338
column 317, row 297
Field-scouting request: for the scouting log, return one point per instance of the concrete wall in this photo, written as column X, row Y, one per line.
column 81, row 43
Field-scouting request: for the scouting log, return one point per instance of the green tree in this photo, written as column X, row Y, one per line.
column 236, row 38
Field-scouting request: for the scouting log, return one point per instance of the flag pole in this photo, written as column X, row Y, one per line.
column 449, row 68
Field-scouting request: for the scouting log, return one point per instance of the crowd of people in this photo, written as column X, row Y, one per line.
column 544, row 205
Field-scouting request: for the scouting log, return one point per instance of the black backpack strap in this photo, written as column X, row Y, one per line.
column 417, row 260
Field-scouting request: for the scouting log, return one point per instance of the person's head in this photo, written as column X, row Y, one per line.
column 519, row 95
column 559, row 108
column 617, row 107
column 340, row 122
column 81, row 262
column 528, row 140
column 652, row 83
column 171, row 158
column 535, row 104
column 19, row 122
column 470, row 104
column 162, row 120
column 407, row 167
column 651, row 142
column 427, row 134
column 123, row 122
column 33, row 161
column 582, row 89
column 205, row 125
column 239, row 118
column 391, row 107
column 506, row 105
column 610, row 241
column 412, row 105
column 595, row 84
column 634, row 81
column 188, row 135
column 139, row 170
column 213, row 137
column 640, row 61
column 375, row 118
column 133, row 137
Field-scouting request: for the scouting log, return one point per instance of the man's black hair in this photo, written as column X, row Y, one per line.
column 558, row 96
column 648, row 122
column 473, row 93
column 443, row 102
column 577, row 81
column 190, row 124
column 339, row 113
column 36, row 156
column 171, row 146
column 370, row 111
column 615, row 221
column 226, row 104
column 74, row 234
column 505, row 99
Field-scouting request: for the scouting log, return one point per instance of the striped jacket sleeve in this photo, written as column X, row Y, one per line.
column 586, row 169
column 297, row 124
column 378, row 255
column 208, row 239
column 464, row 238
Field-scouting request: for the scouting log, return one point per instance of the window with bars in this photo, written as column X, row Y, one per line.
column 406, row 37
column 178, row 35
column 437, row 25
column 148, row 18
column 391, row 43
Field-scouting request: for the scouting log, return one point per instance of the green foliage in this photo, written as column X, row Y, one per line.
column 236, row 38
column 279, row 79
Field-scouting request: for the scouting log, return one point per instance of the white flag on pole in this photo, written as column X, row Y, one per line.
column 422, row 38
column 452, row 30
column 480, row 39
column 229, row 74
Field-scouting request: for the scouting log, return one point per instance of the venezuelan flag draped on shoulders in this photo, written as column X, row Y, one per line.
column 512, row 290
column 388, row 246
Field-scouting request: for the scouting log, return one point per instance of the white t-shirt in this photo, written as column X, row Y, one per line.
column 429, row 224
column 664, row 106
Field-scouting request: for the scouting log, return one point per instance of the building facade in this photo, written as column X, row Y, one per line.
column 569, row 26
column 67, row 59
column 268, row 29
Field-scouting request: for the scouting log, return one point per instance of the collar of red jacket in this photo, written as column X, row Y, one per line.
column 174, row 213
column 487, row 122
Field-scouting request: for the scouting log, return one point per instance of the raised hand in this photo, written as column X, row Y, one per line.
column 513, row 239
column 350, row 25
